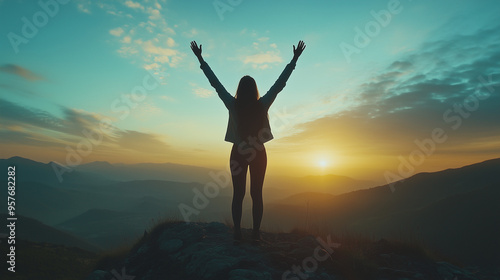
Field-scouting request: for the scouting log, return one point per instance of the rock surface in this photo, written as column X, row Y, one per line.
column 206, row 251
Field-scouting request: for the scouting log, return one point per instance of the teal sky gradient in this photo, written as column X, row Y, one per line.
column 91, row 53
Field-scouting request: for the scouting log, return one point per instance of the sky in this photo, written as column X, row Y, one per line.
column 383, row 90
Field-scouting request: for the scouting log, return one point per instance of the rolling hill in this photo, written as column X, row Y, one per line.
column 449, row 210
column 147, row 171
column 28, row 170
column 32, row 230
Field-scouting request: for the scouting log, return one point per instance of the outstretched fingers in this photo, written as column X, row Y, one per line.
column 194, row 47
column 297, row 51
column 301, row 45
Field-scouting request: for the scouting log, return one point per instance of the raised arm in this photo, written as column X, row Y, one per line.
column 219, row 88
column 278, row 86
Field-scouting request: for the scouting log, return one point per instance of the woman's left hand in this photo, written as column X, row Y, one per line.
column 196, row 49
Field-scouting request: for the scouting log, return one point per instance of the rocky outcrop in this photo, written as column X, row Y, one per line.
column 206, row 251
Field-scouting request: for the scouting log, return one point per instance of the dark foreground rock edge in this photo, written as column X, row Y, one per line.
column 206, row 251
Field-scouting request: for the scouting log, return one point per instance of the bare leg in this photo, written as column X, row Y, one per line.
column 257, row 173
column 239, row 175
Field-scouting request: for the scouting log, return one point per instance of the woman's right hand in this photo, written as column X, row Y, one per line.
column 298, row 51
column 196, row 49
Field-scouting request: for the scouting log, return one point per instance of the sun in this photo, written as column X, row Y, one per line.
column 323, row 163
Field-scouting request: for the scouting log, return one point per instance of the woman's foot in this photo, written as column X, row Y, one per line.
column 237, row 236
column 255, row 235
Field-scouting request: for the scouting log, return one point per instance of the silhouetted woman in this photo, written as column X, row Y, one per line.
column 248, row 129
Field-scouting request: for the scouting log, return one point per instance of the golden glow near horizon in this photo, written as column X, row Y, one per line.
column 323, row 163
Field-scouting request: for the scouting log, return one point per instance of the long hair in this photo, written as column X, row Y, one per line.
column 249, row 111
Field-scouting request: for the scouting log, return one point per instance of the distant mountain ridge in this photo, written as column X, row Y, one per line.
column 427, row 205
column 99, row 173
column 28, row 170
column 430, row 206
column 102, row 172
column 35, row 231
column 329, row 184
column 147, row 171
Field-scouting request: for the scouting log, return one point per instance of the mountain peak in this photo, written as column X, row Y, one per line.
column 206, row 251
column 18, row 159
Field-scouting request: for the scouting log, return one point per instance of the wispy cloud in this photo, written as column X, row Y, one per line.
column 407, row 99
column 126, row 40
column 262, row 54
column 21, row 72
column 152, row 47
column 263, row 58
column 13, row 114
column 191, row 33
column 134, row 5
column 151, row 41
column 116, row 31
column 83, row 6
column 201, row 92
column 34, row 127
